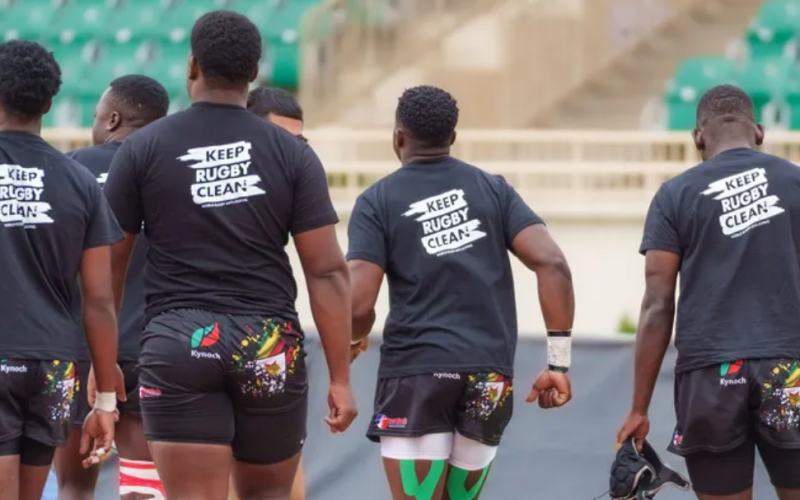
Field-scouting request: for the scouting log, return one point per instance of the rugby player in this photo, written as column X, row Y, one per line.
column 729, row 228
column 55, row 226
column 440, row 230
column 220, row 191
column 130, row 103
column 282, row 109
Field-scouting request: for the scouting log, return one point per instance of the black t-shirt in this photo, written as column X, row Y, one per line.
column 98, row 160
column 219, row 190
column 51, row 210
column 733, row 221
column 442, row 230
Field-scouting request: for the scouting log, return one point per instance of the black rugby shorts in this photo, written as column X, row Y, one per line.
column 477, row 405
column 725, row 412
column 225, row 379
column 36, row 399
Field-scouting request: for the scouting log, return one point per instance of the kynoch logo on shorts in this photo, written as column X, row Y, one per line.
column 445, row 226
column 222, row 174
column 205, row 337
column 745, row 203
column 453, row 376
column 727, row 372
column 13, row 369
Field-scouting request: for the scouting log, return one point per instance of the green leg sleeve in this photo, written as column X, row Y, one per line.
column 412, row 487
column 457, row 484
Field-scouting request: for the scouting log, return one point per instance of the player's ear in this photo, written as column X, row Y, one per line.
column 453, row 138
column 759, row 134
column 699, row 141
column 193, row 69
column 48, row 106
column 114, row 121
column 398, row 140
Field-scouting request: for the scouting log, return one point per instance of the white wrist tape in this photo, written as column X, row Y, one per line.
column 106, row 401
column 559, row 350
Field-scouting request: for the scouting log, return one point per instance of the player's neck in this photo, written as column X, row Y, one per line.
column 12, row 124
column 221, row 96
column 119, row 135
column 728, row 145
column 425, row 155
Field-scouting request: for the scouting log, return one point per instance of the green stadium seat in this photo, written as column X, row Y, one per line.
column 776, row 25
column 170, row 72
column 81, row 22
column 285, row 60
column 693, row 77
column 139, row 20
column 74, row 59
column 30, row 21
column 766, row 82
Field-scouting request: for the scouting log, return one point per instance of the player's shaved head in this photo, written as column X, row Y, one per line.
column 278, row 106
column 129, row 103
column 726, row 120
column 725, row 103
column 143, row 98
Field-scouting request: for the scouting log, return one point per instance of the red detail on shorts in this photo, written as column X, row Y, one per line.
column 211, row 338
column 735, row 366
column 278, row 347
column 145, row 392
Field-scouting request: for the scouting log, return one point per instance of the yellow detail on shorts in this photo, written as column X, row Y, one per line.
column 56, row 362
column 794, row 399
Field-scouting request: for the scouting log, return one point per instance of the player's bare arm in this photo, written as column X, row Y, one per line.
column 541, row 254
column 366, row 278
column 652, row 337
column 100, row 325
column 328, row 282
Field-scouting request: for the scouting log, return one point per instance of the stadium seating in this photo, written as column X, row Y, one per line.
column 98, row 40
column 770, row 73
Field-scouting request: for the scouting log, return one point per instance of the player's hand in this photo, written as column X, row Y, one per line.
column 119, row 386
column 637, row 426
column 552, row 389
column 342, row 406
column 358, row 348
column 97, row 436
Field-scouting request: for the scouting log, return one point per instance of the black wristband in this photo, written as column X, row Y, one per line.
column 559, row 369
column 559, row 333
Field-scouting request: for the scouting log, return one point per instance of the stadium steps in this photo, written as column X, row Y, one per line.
column 616, row 98
column 349, row 90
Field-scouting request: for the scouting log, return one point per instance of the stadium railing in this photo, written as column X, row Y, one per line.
column 549, row 49
column 571, row 173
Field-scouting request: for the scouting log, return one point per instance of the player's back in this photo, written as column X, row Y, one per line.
column 734, row 218
column 448, row 227
column 51, row 210
column 219, row 191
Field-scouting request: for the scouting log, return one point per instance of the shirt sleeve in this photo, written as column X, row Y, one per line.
column 312, row 207
column 122, row 189
column 365, row 234
column 660, row 228
column 102, row 229
column 517, row 215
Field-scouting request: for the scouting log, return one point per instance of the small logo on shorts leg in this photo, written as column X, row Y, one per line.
column 727, row 373
column 452, row 376
column 383, row 422
column 205, row 337
column 677, row 439
column 146, row 392
column 5, row 368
